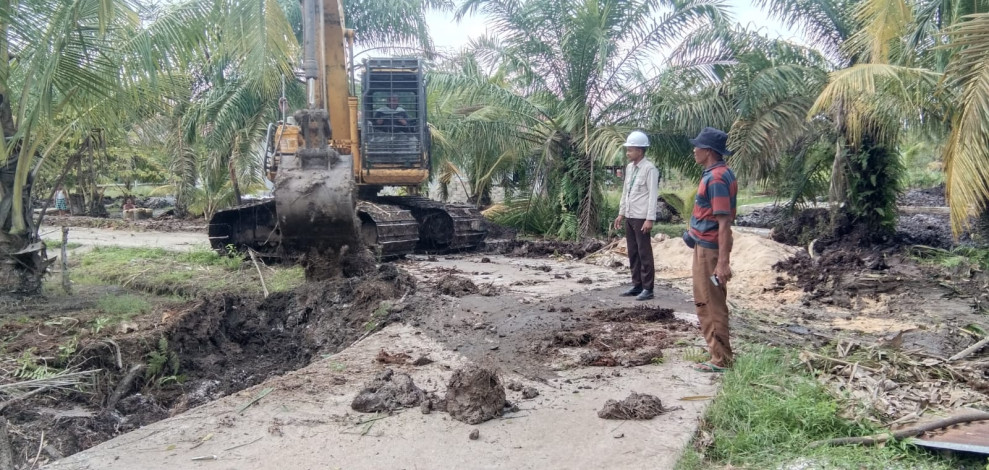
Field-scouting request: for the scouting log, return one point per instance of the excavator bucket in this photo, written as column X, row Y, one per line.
column 317, row 201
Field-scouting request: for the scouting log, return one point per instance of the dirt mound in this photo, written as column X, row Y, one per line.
column 329, row 264
column 925, row 229
column 636, row 406
column 241, row 341
column 807, row 225
column 475, row 395
column 640, row 313
column 388, row 391
column 764, row 217
column 929, row 197
column 456, row 286
column 571, row 339
column 535, row 248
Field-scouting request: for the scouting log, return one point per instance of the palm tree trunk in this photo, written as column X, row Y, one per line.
column 233, row 179
column 838, row 192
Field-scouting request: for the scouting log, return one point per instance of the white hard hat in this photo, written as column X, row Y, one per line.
column 637, row 139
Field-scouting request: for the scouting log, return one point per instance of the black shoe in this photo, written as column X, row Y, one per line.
column 634, row 290
column 645, row 295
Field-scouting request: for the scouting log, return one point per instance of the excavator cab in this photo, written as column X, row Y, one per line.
column 394, row 134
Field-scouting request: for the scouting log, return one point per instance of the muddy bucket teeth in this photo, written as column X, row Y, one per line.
column 316, row 202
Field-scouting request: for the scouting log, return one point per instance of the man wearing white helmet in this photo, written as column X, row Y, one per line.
column 637, row 210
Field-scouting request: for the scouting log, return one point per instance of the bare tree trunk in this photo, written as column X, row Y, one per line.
column 66, row 283
column 838, row 192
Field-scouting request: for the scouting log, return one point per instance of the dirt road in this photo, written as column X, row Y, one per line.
column 517, row 322
column 90, row 237
column 306, row 422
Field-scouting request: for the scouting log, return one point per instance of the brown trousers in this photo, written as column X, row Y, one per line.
column 640, row 254
column 712, row 306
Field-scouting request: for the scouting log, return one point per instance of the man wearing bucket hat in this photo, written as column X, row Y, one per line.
column 638, row 211
column 710, row 237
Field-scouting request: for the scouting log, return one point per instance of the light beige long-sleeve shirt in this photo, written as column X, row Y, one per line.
column 640, row 191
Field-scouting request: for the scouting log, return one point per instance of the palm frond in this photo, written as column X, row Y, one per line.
column 967, row 150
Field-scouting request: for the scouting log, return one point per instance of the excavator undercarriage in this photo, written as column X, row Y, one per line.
column 391, row 227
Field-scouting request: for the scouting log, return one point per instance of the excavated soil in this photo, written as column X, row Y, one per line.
column 475, row 395
column 929, row 197
column 164, row 223
column 537, row 248
column 456, row 286
column 388, row 391
column 635, row 406
column 622, row 336
column 220, row 346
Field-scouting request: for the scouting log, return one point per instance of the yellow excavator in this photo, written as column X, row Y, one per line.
column 329, row 161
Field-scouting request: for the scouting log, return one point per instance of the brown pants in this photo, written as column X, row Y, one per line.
column 639, row 254
column 712, row 306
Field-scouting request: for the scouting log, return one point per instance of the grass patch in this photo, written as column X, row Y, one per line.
column 57, row 244
column 769, row 409
column 185, row 274
column 953, row 258
column 126, row 305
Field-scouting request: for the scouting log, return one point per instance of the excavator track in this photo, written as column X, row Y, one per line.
column 390, row 230
column 442, row 227
column 246, row 226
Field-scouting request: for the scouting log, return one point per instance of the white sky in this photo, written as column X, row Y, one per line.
column 449, row 36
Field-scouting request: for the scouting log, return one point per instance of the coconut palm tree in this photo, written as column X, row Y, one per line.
column 909, row 65
column 67, row 67
column 562, row 84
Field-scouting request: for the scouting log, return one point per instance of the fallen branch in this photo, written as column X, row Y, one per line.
column 242, row 445
column 24, row 396
column 124, row 385
column 809, row 354
column 255, row 260
column 256, row 399
column 904, row 433
column 66, row 283
column 970, row 350
column 6, row 450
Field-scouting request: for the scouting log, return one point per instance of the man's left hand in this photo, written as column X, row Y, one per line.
column 647, row 226
column 723, row 272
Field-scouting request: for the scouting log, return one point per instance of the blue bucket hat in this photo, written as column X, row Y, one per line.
column 711, row 138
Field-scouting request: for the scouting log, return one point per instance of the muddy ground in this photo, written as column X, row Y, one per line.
column 542, row 313
column 486, row 308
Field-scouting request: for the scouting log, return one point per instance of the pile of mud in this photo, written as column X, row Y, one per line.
column 456, row 286
column 622, row 336
column 764, row 217
column 475, row 395
column 928, row 197
column 538, row 248
column 157, row 224
column 241, row 341
column 635, row 406
column 388, row 391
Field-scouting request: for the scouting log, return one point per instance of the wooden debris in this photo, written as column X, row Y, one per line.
column 904, row 433
column 256, row 399
column 258, row 268
column 124, row 386
column 970, row 350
